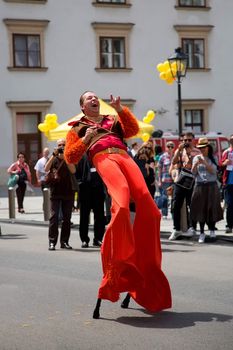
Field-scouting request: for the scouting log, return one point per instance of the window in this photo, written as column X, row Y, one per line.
column 192, row 3
column 111, row 3
column 26, row 123
column 224, row 144
column 194, row 48
column 193, row 120
column 26, row 137
column 112, row 52
column 26, row 50
column 196, row 114
column 194, row 42
column 26, row 39
column 28, row 1
column 188, row 5
column 112, row 46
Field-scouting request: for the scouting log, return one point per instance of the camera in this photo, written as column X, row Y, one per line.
column 186, row 145
column 60, row 150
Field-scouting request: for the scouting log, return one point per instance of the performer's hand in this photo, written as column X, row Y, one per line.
column 116, row 103
column 226, row 162
column 181, row 146
column 90, row 132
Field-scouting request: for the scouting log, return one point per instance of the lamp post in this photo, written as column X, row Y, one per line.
column 178, row 66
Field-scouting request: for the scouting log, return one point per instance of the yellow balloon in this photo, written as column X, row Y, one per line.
column 163, row 76
column 51, row 124
column 170, row 80
column 168, row 74
column 46, row 128
column 173, row 71
column 150, row 115
column 42, row 127
column 145, row 136
column 54, row 117
column 146, row 120
column 48, row 117
column 173, row 65
column 160, row 67
column 166, row 65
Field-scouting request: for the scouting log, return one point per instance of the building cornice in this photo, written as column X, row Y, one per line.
column 193, row 28
column 16, row 104
column 26, row 22
column 113, row 25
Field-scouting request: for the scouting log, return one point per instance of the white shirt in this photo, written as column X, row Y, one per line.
column 134, row 152
column 39, row 167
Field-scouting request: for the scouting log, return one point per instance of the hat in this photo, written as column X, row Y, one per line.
column 170, row 143
column 202, row 142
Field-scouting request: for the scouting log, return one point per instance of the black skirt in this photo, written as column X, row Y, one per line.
column 206, row 203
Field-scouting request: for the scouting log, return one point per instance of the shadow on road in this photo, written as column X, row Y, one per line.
column 14, row 236
column 185, row 241
column 173, row 320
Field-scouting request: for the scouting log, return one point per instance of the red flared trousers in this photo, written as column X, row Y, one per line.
column 131, row 254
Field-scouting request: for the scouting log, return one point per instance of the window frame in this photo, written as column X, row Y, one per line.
column 193, row 7
column 127, row 3
column 27, row 27
column 179, row 3
column 40, row 107
column 192, row 124
column 198, row 32
column 198, row 104
column 110, row 1
column 111, row 53
column 26, row 36
column 112, row 30
column 193, row 53
column 38, row 2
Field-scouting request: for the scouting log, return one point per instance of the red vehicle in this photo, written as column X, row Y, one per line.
column 218, row 141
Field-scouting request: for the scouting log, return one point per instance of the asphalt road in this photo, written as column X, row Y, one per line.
column 47, row 298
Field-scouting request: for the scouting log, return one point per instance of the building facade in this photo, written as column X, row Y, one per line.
column 53, row 50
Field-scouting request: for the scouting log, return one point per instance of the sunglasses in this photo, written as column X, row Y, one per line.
column 170, row 146
column 147, row 147
column 188, row 140
column 61, row 145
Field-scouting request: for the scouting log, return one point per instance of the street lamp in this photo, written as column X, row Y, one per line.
column 178, row 66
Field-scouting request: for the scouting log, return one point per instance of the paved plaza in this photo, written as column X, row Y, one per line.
column 47, row 298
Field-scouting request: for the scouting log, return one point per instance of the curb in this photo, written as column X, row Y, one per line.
column 35, row 223
column 163, row 234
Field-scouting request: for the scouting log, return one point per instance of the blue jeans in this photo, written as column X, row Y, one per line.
column 163, row 193
column 228, row 196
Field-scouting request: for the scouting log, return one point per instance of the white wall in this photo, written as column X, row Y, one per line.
column 70, row 55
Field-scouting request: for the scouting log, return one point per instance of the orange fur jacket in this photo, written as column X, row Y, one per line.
column 75, row 147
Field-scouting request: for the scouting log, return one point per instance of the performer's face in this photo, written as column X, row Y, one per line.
column 90, row 105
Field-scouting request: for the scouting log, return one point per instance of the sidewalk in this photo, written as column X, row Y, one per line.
column 34, row 216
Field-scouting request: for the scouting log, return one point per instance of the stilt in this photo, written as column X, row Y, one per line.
column 96, row 313
column 125, row 302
